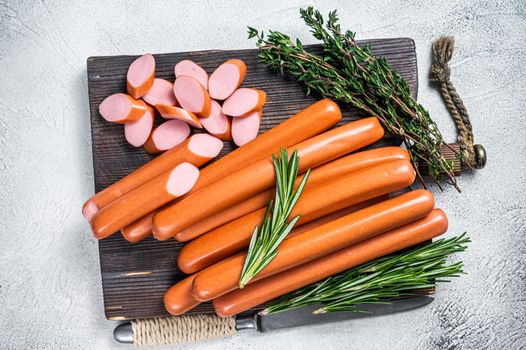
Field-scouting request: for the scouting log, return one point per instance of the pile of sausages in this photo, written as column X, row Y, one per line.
column 191, row 101
column 348, row 213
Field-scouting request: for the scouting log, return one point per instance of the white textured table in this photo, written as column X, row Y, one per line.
column 50, row 293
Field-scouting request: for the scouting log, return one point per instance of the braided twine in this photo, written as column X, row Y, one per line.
column 440, row 75
column 181, row 329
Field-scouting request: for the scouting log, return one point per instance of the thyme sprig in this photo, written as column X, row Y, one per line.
column 351, row 74
column 380, row 280
column 264, row 244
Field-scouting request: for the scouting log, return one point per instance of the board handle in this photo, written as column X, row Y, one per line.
column 452, row 153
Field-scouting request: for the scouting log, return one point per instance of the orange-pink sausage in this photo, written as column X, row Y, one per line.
column 308, row 122
column 192, row 96
column 178, row 299
column 246, row 129
column 197, row 150
column 161, row 92
column 317, row 202
column 244, row 101
column 318, row 242
column 258, row 177
column 138, row 131
column 217, row 123
column 172, row 112
column 326, row 172
column 122, row 108
column 226, row 79
column 166, row 136
column 141, row 73
column 144, row 199
column 192, row 69
column 434, row 224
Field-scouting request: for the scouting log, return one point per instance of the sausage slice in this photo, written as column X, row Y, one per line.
column 246, row 129
column 192, row 69
column 191, row 95
column 171, row 112
column 137, row 132
column 244, row 101
column 217, row 123
column 226, row 79
column 161, row 92
column 140, row 75
column 166, row 136
column 121, row 108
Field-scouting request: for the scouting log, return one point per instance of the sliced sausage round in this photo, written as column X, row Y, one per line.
column 244, row 101
column 226, row 79
column 161, row 92
column 192, row 69
column 122, row 108
column 141, row 74
column 217, row 123
column 166, row 136
column 137, row 132
column 172, row 112
column 246, row 129
column 191, row 95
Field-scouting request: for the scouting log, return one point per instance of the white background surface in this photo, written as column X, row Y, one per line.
column 50, row 291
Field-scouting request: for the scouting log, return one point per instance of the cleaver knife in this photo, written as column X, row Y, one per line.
column 301, row 317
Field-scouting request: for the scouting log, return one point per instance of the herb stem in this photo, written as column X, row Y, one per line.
column 381, row 280
column 275, row 226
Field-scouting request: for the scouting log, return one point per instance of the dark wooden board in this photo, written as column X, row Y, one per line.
column 135, row 276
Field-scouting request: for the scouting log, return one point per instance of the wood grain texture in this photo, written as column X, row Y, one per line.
column 135, row 276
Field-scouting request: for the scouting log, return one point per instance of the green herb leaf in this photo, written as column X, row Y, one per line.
column 265, row 242
column 380, row 280
column 351, row 74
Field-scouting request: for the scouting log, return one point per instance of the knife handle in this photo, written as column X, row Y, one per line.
column 175, row 330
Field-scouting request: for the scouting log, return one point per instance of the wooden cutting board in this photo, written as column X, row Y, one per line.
column 135, row 276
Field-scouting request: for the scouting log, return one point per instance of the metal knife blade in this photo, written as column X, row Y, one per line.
column 123, row 333
column 304, row 316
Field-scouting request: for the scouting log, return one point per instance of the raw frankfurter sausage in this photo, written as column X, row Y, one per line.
column 217, row 123
column 309, row 122
column 322, row 200
column 260, row 176
column 246, row 129
column 244, row 101
column 141, row 73
column 318, row 175
column 336, row 215
column 138, row 131
column 434, row 224
column 139, row 229
column 178, row 299
column 191, row 95
column 161, row 92
column 166, row 136
column 144, row 199
column 197, row 150
column 172, row 112
column 121, row 108
column 226, row 79
column 192, row 69
column 316, row 243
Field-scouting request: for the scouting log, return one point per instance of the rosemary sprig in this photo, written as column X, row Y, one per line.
column 351, row 74
column 264, row 244
column 380, row 280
